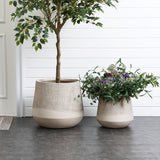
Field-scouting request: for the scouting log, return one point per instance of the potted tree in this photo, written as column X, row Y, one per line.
column 56, row 104
column 114, row 88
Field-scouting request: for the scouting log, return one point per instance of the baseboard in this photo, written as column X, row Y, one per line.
column 92, row 111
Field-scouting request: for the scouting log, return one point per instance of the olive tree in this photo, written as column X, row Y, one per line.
column 54, row 15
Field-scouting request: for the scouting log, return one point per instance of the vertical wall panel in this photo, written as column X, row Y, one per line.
column 2, row 67
column 2, row 12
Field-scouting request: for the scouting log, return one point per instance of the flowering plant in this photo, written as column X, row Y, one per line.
column 115, row 83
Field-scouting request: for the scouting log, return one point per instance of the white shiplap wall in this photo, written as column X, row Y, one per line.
column 132, row 32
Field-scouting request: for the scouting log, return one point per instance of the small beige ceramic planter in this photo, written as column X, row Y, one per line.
column 119, row 115
column 57, row 105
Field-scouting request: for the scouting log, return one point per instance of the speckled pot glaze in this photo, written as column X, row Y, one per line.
column 57, row 105
column 119, row 115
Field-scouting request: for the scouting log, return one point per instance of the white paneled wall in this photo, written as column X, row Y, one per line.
column 132, row 32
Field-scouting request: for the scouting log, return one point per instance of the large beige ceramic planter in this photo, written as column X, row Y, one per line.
column 57, row 105
column 119, row 115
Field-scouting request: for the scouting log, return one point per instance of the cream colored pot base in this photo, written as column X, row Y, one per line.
column 58, row 123
column 114, row 124
column 57, row 105
column 119, row 115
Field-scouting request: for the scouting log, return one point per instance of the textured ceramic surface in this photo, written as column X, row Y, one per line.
column 119, row 115
column 57, row 105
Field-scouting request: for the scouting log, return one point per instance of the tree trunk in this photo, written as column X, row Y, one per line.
column 58, row 58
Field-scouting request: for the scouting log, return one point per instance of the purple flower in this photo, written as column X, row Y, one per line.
column 126, row 75
column 107, row 75
column 104, row 81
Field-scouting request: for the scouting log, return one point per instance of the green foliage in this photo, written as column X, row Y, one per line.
column 54, row 14
column 115, row 83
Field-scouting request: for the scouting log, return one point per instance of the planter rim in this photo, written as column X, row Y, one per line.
column 52, row 81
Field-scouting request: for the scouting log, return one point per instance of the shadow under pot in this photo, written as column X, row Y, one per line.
column 57, row 105
column 118, row 115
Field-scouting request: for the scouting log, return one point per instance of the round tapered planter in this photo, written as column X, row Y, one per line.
column 119, row 115
column 57, row 105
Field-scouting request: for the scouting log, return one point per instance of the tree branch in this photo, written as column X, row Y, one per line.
column 43, row 12
column 62, row 24
column 48, row 16
column 51, row 24
column 58, row 16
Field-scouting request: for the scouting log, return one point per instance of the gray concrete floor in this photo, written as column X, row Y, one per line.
column 88, row 141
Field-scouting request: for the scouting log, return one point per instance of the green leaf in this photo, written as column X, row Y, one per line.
column 99, row 24
column 34, row 38
column 31, row 26
column 45, row 40
column 25, row 37
column 21, row 20
column 42, row 41
column 17, row 43
column 22, row 38
column 33, row 44
column 17, row 29
column 15, row 3
column 39, row 46
column 36, row 48
column 16, row 39
column 10, row 2
column 51, row 30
